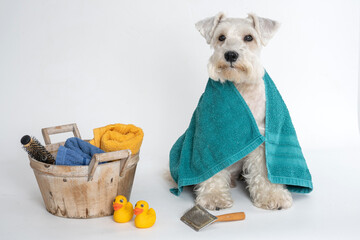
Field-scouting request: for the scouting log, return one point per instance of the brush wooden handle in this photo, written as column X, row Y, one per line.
column 231, row 217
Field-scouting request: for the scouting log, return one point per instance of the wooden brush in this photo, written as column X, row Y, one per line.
column 37, row 151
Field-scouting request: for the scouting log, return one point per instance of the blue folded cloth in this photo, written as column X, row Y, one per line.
column 223, row 130
column 76, row 152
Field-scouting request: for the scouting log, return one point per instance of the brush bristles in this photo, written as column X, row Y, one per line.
column 198, row 218
column 38, row 152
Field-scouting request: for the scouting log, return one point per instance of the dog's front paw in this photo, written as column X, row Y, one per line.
column 273, row 200
column 214, row 201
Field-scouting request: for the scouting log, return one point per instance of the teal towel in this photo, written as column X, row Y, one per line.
column 223, row 130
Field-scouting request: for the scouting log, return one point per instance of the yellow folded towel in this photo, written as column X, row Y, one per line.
column 117, row 137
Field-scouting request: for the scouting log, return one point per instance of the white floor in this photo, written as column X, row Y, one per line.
column 331, row 211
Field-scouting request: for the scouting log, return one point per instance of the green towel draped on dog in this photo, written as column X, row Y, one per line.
column 223, row 130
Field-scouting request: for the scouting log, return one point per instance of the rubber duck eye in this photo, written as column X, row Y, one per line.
column 248, row 38
column 222, row 38
column 121, row 200
column 142, row 205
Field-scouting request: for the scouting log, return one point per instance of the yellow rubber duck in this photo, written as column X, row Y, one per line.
column 145, row 217
column 123, row 210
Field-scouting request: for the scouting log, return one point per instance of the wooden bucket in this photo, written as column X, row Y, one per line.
column 84, row 191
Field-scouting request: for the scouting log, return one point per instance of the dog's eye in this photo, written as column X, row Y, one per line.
column 248, row 38
column 222, row 38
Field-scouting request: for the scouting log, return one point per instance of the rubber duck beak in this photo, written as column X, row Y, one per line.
column 137, row 211
column 117, row 206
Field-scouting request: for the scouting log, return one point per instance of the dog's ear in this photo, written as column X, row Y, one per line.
column 265, row 27
column 207, row 26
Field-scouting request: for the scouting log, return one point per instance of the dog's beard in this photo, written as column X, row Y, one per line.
column 233, row 71
column 236, row 72
column 241, row 71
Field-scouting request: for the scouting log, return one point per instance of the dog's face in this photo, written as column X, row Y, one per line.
column 237, row 44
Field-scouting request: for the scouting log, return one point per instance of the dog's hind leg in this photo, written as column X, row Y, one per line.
column 235, row 172
column 214, row 193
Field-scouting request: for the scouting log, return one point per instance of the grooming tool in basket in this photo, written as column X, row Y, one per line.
column 123, row 210
column 198, row 218
column 37, row 151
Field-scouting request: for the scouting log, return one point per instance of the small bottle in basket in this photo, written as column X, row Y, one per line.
column 36, row 150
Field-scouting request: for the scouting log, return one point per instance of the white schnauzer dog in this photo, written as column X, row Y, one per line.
column 237, row 44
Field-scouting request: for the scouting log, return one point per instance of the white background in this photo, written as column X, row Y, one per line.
column 143, row 62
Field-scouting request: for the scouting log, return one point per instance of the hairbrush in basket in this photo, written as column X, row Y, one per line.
column 36, row 150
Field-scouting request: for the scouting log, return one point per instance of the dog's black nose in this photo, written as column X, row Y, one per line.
column 231, row 56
